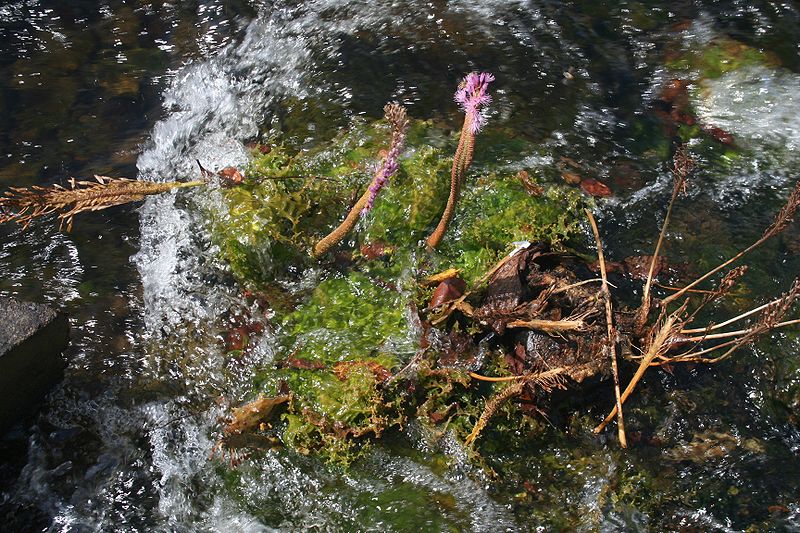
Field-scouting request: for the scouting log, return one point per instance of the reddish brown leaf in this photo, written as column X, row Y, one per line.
column 459, row 350
column 568, row 161
column 448, row 290
column 571, row 178
column 611, row 266
column 638, row 266
column 302, row 364
column 343, row 369
column 530, row 186
column 236, row 339
column 778, row 509
column 516, row 360
column 595, row 188
column 231, row 175
column 437, row 418
column 718, row 133
column 675, row 92
column 374, row 250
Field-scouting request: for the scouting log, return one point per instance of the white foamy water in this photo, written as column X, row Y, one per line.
column 759, row 105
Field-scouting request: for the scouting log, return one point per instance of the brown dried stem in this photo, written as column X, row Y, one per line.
column 769, row 320
column 657, row 347
column 682, row 166
column 549, row 326
column 611, row 343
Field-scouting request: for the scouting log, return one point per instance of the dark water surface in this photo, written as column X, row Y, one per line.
column 142, row 89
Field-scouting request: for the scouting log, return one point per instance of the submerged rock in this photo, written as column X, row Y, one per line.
column 32, row 337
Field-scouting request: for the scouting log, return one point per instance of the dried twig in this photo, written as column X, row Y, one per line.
column 550, row 326
column 770, row 319
column 681, row 168
column 658, row 345
column 611, row 344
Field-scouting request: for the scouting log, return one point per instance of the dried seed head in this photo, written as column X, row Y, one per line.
column 22, row 205
column 682, row 166
column 396, row 116
column 773, row 314
column 786, row 214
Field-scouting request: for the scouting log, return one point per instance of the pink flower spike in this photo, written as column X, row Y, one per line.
column 473, row 93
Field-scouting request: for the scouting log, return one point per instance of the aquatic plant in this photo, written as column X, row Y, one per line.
column 471, row 95
column 469, row 340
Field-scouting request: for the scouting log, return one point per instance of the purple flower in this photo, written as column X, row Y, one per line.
column 387, row 170
column 471, row 95
column 395, row 115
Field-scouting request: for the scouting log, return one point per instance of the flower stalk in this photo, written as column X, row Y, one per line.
column 395, row 114
column 471, row 95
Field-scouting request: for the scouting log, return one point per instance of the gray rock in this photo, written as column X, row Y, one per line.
column 32, row 337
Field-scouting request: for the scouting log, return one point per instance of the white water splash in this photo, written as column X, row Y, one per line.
column 757, row 104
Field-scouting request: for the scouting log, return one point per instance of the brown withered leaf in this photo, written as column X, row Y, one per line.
column 611, row 266
column 374, row 250
column 516, row 359
column 301, row 364
column 569, row 161
column 638, row 266
column 530, row 186
column 459, row 350
column 571, row 177
column 251, row 415
column 231, row 175
column 718, row 133
column 447, row 291
column 778, row 509
column 595, row 188
column 236, row 339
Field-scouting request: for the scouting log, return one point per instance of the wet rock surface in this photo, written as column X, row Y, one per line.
column 32, row 337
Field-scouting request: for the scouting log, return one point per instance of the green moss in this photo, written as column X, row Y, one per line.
column 407, row 211
column 497, row 211
column 349, row 319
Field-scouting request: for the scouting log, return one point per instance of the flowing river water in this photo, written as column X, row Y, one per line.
column 144, row 89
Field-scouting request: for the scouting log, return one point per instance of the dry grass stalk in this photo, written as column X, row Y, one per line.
column 611, row 345
column 770, row 319
column 725, row 286
column 682, row 166
column 550, row 326
column 22, row 205
column 658, row 345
